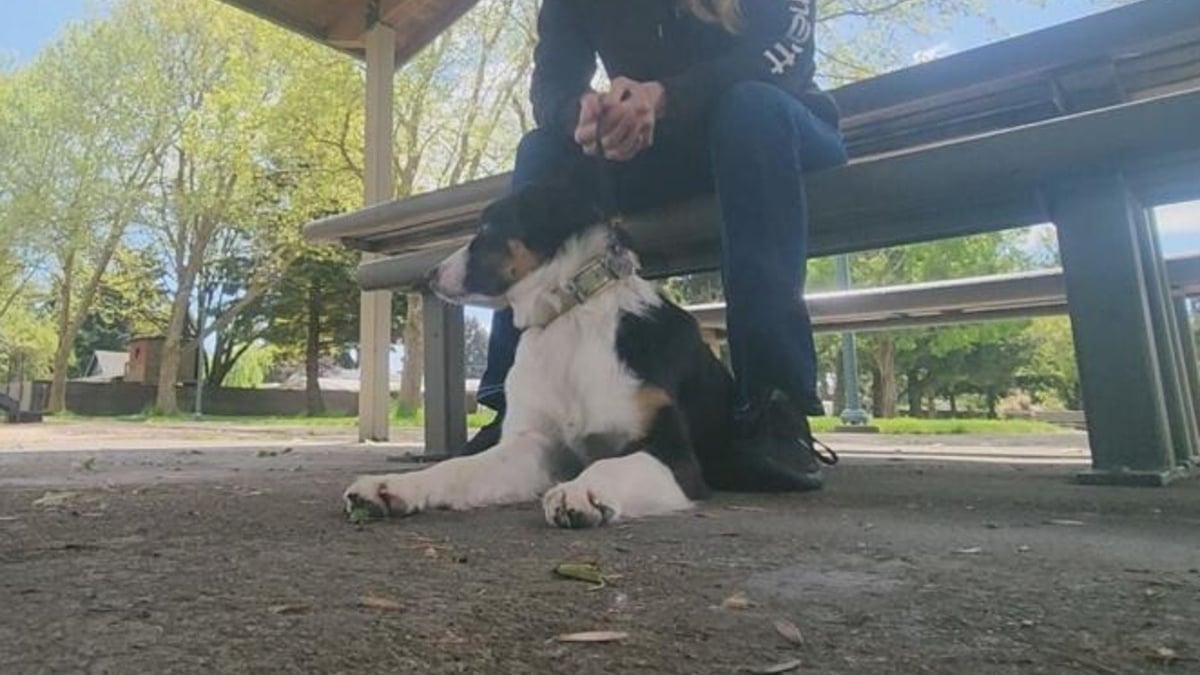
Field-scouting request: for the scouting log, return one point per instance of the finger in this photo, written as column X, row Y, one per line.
column 620, row 89
column 585, row 137
column 627, row 129
column 589, row 114
column 590, row 105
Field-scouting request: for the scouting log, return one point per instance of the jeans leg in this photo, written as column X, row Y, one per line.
column 761, row 141
column 539, row 155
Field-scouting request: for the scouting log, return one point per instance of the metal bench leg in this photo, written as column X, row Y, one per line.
column 1191, row 373
column 445, row 377
column 1180, row 409
column 1099, row 226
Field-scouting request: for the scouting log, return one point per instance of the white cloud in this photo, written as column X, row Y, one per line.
column 937, row 51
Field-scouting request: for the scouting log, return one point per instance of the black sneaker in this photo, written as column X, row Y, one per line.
column 487, row 437
column 775, row 451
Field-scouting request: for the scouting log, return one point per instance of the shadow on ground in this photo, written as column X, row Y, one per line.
column 235, row 561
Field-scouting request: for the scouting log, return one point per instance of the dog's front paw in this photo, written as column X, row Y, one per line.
column 381, row 496
column 574, row 506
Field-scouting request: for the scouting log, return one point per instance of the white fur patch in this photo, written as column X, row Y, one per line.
column 633, row 486
column 513, row 471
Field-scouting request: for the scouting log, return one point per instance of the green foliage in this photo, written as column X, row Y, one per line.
column 250, row 371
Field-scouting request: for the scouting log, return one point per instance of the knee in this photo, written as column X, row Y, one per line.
column 751, row 108
column 540, row 151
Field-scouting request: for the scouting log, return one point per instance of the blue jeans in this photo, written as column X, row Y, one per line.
column 759, row 141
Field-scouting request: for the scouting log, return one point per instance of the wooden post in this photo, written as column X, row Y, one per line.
column 376, row 317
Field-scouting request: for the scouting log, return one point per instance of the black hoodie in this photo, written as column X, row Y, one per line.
column 696, row 62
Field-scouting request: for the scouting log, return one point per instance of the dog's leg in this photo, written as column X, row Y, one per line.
column 612, row 489
column 518, row 469
column 661, row 477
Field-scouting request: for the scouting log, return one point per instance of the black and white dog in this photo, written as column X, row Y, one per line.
column 616, row 407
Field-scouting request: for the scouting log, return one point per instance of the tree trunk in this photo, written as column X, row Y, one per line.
column 414, row 355
column 312, row 354
column 916, row 396
column 876, row 397
column 165, row 400
column 953, row 405
column 888, row 390
column 62, row 353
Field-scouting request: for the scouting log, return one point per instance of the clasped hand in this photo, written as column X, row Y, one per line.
column 624, row 117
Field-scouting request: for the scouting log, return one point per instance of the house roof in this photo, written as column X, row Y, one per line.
column 342, row 24
column 111, row 364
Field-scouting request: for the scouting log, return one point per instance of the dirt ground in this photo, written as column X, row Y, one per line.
column 236, row 559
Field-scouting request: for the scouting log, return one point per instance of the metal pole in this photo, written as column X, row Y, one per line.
column 852, row 412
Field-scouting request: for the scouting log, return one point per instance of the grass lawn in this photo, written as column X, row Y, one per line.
column 897, row 425
column 912, row 425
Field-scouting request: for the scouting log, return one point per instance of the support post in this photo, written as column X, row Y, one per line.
column 1180, row 409
column 375, row 329
column 1191, row 373
column 1098, row 224
column 853, row 415
column 445, row 377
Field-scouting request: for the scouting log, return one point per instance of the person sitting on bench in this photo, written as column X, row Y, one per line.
column 706, row 95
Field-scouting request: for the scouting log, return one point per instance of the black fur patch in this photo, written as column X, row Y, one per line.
column 664, row 349
column 541, row 216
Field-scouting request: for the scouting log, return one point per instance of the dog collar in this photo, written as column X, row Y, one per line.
column 596, row 275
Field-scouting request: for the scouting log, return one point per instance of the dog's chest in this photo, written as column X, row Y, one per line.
column 569, row 381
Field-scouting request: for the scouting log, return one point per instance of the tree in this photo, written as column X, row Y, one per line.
column 93, row 136
column 314, row 315
column 476, row 348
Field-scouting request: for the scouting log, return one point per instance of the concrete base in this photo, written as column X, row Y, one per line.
column 1132, row 478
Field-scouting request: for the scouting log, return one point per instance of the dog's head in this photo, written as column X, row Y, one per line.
column 517, row 235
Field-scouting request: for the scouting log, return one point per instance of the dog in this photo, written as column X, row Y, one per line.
column 616, row 408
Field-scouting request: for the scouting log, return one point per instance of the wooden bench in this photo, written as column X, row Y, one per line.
column 1083, row 125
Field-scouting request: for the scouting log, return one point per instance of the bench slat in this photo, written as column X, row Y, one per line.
column 984, row 183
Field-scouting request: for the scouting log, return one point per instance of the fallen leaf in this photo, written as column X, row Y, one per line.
column 736, row 601
column 360, row 514
column 55, row 498
column 285, row 451
column 1023, row 549
column 431, row 552
column 970, row 550
column 376, row 602
column 593, row 636
column 9, row 519
column 286, row 610
column 751, row 509
column 789, row 631
column 1065, row 522
column 88, row 464
column 588, row 572
column 786, row 666
column 267, row 453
